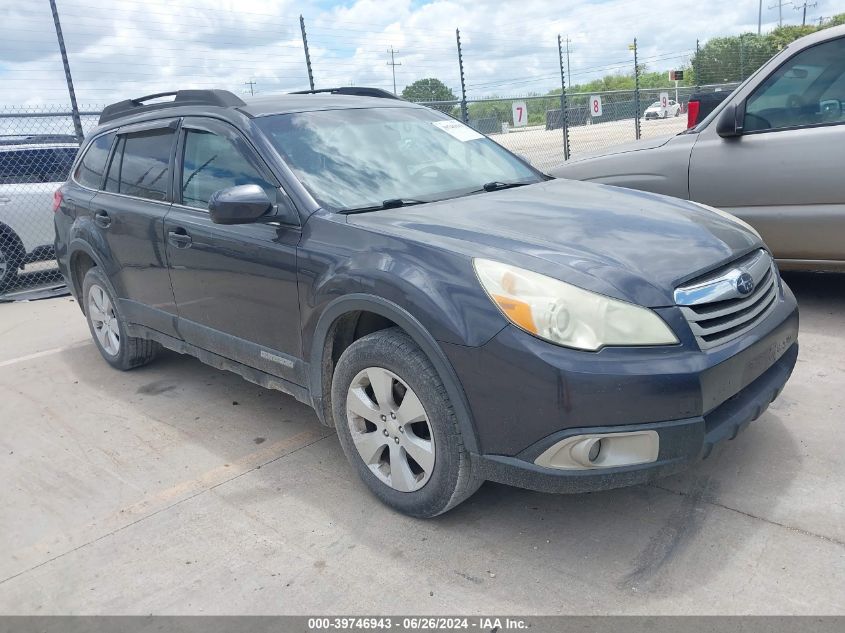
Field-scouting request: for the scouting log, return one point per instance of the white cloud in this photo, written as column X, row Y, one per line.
column 128, row 48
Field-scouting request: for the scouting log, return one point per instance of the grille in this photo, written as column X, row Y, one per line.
column 716, row 310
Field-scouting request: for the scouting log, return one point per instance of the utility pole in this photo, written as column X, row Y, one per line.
column 464, row 112
column 77, row 123
column 759, row 17
column 779, row 4
column 821, row 19
column 564, row 114
column 307, row 54
column 251, row 84
column 393, row 64
column 804, row 7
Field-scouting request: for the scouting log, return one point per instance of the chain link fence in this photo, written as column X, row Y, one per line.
column 532, row 126
column 37, row 148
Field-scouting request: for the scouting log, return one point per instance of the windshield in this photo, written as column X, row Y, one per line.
column 357, row 158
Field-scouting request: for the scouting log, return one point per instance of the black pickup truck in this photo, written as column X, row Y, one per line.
column 703, row 103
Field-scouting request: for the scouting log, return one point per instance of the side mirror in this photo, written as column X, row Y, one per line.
column 238, row 205
column 730, row 121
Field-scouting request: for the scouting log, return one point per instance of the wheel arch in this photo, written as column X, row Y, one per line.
column 9, row 233
column 81, row 258
column 339, row 323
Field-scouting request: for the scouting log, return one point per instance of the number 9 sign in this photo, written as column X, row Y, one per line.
column 595, row 106
column 664, row 99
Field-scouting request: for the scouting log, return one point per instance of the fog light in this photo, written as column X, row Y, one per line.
column 595, row 449
column 602, row 450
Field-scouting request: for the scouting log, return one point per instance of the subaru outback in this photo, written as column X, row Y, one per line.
column 455, row 314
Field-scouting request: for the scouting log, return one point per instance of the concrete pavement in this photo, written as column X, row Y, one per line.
column 177, row 488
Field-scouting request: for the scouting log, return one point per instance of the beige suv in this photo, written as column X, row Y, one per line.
column 771, row 154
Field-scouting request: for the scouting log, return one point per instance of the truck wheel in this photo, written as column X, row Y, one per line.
column 108, row 328
column 397, row 426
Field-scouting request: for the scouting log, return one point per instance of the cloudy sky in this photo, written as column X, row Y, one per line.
column 125, row 48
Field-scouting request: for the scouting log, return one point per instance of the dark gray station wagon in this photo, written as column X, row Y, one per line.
column 455, row 314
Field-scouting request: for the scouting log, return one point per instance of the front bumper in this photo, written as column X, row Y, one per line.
column 527, row 395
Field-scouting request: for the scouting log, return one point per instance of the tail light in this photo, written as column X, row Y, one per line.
column 692, row 113
column 57, row 200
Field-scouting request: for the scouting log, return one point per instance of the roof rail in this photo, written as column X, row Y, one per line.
column 220, row 98
column 353, row 91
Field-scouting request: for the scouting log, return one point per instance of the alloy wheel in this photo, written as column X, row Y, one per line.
column 390, row 429
column 104, row 320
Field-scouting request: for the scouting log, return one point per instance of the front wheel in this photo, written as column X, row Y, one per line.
column 397, row 426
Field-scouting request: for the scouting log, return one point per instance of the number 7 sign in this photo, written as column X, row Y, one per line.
column 595, row 105
column 520, row 113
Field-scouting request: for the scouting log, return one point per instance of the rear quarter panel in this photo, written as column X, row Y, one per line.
column 27, row 210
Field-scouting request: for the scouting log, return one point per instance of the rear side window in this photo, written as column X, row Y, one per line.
column 141, row 166
column 42, row 164
column 89, row 172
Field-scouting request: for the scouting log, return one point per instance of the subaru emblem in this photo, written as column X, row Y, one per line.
column 745, row 284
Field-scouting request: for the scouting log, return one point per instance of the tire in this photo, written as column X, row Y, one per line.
column 11, row 258
column 108, row 327
column 444, row 476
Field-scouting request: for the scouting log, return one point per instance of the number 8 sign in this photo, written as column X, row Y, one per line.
column 595, row 105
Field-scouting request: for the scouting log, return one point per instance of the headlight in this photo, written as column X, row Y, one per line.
column 731, row 217
column 567, row 315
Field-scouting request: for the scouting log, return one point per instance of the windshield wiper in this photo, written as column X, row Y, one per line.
column 497, row 185
column 390, row 203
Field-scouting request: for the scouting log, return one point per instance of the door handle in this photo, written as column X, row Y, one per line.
column 102, row 219
column 179, row 238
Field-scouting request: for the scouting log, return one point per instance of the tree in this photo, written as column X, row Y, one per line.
column 430, row 89
column 732, row 59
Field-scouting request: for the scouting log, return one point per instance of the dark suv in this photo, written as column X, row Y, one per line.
column 455, row 314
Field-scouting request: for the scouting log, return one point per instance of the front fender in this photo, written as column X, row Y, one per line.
column 356, row 302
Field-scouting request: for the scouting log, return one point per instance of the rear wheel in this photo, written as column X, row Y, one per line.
column 108, row 328
column 397, row 426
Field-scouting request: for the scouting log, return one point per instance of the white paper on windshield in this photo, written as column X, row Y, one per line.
column 457, row 129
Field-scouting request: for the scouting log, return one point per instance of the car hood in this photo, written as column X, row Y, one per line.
column 632, row 245
column 635, row 146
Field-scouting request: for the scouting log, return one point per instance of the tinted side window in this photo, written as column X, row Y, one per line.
column 90, row 170
column 47, row 164
column 806, row 90
column 113, row 177
column 145, row 164
column 212, row 163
